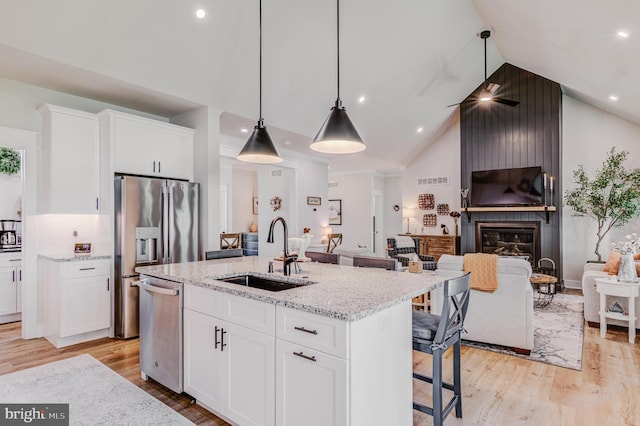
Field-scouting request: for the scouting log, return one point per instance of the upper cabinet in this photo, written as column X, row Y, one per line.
column 148, row 147
column 71, row 166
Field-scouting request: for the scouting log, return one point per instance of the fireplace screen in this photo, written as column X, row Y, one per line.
column 521, row 239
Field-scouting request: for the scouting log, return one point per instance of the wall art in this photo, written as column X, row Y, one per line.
column 426, row 202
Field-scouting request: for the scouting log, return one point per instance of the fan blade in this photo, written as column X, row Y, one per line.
column 493, row 88
column 464, row 102
column 506, row 101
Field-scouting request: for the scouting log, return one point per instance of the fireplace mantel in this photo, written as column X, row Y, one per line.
column 545, row 209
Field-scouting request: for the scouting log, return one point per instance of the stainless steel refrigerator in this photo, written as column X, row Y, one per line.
column 156, row 221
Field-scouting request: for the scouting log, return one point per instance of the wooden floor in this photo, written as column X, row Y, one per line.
column 497, row 389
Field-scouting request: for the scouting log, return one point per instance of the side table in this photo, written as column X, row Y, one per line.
column 612, row 287
column 545, row 286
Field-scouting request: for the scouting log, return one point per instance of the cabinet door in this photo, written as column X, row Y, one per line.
column 311, row 387
column 72, row 144
column 8, row 281
column 203, row 368
column 249, row 376
column 173, row 151
column 19, row 290
column 85, row 305
column 132, row 148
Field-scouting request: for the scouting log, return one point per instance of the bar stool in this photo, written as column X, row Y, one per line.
column 433, row 334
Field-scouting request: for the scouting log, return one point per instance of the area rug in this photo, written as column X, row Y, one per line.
column 96, row 394
column 559, row 329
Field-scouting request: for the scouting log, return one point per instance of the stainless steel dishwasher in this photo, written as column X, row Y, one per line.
column 161, row 331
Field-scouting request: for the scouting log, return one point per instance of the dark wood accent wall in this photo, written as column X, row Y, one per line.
column 497, row 136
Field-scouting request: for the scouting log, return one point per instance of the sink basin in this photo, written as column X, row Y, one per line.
column 268, row 284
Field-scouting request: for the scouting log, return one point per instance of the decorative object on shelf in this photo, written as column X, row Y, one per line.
column 314, row 201
column 335, row 212
column 627, row 248
column 455, row 215
column 616, row 308
column 306, row 230
column 442, row 209
column 445, row 229
column 276, row 203
column 259, row 148
column 612, row 197
column 426, row 202
column 338, row 135
column 253, row 227
column 430, row 220
column 9, row 161
column 464, row 194
column 255, row 205
column 80, row 249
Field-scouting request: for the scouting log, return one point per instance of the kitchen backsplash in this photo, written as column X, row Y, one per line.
column 55, row 232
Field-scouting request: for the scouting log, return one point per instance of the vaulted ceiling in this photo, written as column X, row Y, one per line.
column 408, row 58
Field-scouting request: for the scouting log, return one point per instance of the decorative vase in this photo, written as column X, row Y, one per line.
column 253, row 227
column 627, row 271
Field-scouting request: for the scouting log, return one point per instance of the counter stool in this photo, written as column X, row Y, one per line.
column 433, row 334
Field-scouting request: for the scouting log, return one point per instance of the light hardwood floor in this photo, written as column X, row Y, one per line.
column 497, row 389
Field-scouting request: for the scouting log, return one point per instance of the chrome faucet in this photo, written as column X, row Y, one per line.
column 286, row 259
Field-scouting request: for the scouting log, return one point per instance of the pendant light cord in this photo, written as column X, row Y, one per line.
column 485, row 59
column 260, row 17
column 338, row 42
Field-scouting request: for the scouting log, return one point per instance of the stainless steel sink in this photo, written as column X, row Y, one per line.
column 269, row 284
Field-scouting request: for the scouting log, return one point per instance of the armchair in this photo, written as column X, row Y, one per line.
column 403, row 254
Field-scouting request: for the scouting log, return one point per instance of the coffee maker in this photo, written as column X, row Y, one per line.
column 10, row 235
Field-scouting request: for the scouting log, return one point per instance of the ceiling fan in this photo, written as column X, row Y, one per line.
column 488, row 94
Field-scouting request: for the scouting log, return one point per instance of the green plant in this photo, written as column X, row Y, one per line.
column 9, row 161
column 612, row 197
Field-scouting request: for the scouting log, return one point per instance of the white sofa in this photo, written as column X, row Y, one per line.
column 504, row 317
column 592, row 297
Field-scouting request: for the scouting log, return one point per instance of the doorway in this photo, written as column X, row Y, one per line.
column 24, row 143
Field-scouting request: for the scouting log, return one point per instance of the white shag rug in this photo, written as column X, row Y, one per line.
column 96, row 394
column 558, row 337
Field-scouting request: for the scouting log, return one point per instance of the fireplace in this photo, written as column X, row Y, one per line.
column 521, row 239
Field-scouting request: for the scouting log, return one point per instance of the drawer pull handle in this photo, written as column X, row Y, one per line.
column 301, row 355
column 306, row 330
column 87, row 269
column 15, row 260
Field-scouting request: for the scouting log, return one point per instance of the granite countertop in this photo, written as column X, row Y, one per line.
column 70, row 257
column 339, row 291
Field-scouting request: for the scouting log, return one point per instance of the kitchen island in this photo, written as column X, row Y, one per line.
column 336, row 350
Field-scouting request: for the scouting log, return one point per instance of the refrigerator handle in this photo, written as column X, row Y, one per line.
column 171, row 222
column 165, row 224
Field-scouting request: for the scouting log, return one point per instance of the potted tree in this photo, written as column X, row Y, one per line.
column 612, row 197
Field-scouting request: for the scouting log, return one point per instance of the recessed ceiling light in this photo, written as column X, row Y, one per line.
column 361, row 99
column 200, row 13
column 244, row 130
column 420, row 129
column 287, row 142
column 622, row 34
column 613, row 98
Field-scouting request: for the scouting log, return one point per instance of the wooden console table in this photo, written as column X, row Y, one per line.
column 437, row 245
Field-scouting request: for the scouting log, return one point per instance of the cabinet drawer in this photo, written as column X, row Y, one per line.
column 253, row 314
column 10, row 260
column 85, row 268
column 315, row 331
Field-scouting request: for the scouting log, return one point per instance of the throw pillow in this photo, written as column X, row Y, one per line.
column 613, row 263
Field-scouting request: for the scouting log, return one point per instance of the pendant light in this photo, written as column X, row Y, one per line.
column 338, row 134
column 259, row 148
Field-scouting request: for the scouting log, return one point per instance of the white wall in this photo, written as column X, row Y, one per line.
column 392, row 196
column 311, row 181
column 269, row 187
column 243, row 188
column 355, row 191
column 588, row 134
column 440, row 158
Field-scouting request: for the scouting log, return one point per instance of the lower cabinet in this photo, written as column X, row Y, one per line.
column 10, row 287
column 311, row 386
column 78, row 295
column 228, row 368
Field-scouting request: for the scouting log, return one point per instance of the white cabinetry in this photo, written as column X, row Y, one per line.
column 10, row 287
column 78, row 295
column 229, row 348
column 71, row 146
column 148, row 147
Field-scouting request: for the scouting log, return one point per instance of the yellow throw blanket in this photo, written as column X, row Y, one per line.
column 484, row 270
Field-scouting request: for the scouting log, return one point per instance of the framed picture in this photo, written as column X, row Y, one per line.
column 82, row 248
column 314, row 201
column 255, row 205
column 335, row 212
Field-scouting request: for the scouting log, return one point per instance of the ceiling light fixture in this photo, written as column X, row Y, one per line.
column 200, row 13
column 259, row 147
column 338, row 134
column 613, row 98
column 420, row 129
column 361, row 99
column 244, row 130
column 622, row 34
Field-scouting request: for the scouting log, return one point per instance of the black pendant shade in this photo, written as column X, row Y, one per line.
column 338, row 135
column 259, row 148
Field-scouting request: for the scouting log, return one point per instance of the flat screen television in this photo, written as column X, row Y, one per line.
column 507, row 187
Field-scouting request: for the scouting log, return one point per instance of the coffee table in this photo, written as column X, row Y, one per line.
column 545, row 286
